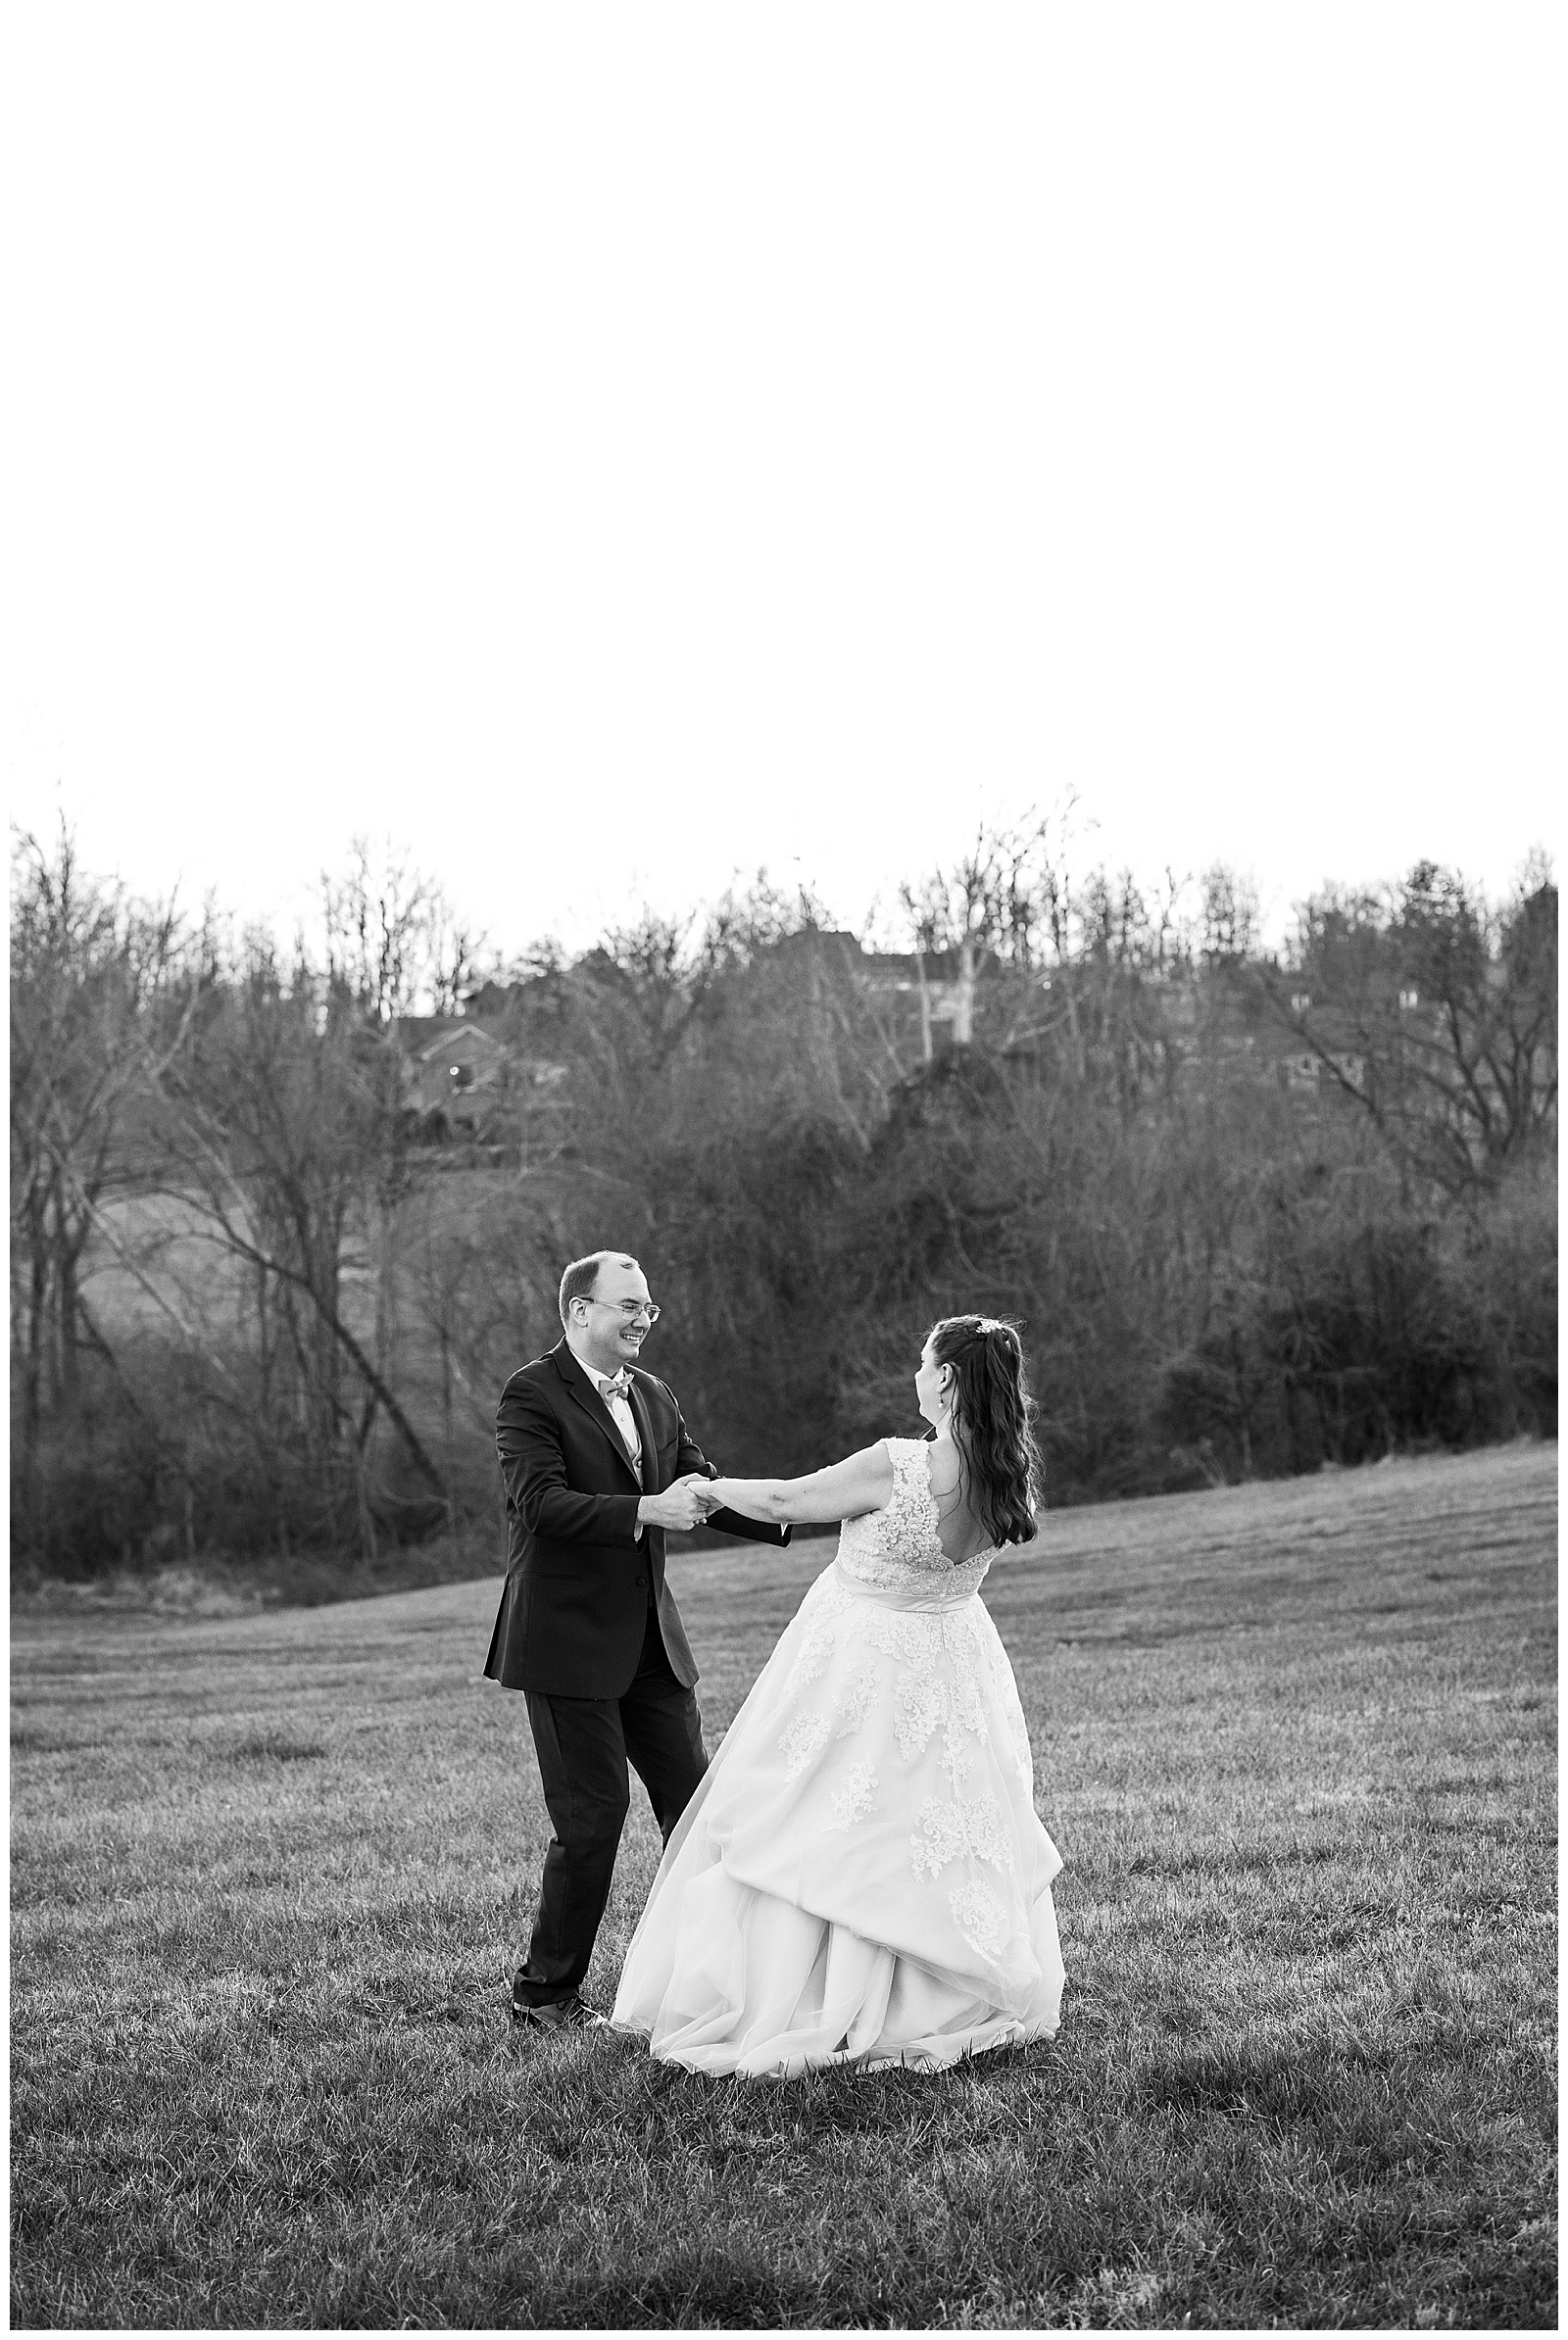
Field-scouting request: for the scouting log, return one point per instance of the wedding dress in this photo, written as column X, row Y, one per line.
column 860, row 1875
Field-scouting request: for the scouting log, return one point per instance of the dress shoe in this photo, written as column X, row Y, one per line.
column 557, row 2014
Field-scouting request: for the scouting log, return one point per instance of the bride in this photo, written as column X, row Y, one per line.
column 861, row 1876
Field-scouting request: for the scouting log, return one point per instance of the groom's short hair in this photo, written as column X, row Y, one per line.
column 578, row 1283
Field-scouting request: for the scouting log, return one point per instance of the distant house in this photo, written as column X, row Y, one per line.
column 451, row 1066
column 1309, row 1070
column 462, row 1079
column 1330, row 1070
column 932, row 992
column 929, row 997
column 489, row 998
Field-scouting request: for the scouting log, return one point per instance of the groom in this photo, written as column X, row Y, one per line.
column 597, row 1466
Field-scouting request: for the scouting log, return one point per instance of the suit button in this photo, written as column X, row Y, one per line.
column 642, row 1583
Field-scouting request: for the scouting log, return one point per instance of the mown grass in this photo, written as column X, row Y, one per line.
column 1296, row 1744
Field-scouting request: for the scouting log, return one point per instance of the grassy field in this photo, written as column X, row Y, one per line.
column 1297, row 1742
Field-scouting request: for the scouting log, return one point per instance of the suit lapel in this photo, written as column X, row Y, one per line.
column 644, row 1431
column 594, row 1406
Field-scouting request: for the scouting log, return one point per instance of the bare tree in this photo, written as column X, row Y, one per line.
column 1435, row 1016
column 392, row 939
column 280, row 1129
column 95, row 1012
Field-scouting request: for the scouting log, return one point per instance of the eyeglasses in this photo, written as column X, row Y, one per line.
column 628, row 1308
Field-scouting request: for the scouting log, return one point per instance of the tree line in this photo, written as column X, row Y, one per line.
column 1256, row 1212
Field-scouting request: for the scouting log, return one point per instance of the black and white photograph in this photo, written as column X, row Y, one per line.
column 785, row 790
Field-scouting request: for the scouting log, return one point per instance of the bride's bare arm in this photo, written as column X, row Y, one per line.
column 863, row 1481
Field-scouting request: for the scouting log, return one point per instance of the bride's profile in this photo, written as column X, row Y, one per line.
column 860, row 1875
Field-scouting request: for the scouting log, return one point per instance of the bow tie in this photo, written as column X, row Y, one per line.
column 619, row 1385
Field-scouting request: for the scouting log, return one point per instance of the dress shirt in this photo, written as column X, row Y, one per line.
column 620, row 1414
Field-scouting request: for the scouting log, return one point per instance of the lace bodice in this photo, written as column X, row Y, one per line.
column 897, row 1549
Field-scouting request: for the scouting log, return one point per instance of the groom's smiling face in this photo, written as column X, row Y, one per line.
column 611, row 1337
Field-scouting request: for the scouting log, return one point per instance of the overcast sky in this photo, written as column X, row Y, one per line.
column 605, row 449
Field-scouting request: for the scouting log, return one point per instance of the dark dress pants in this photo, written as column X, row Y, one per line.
column 583, row 1746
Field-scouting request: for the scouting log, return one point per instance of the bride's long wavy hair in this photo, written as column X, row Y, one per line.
column 990, row 1421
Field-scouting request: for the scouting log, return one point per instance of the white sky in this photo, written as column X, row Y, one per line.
column 607, row 448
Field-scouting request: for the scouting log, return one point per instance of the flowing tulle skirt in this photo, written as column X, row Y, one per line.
column 861, row 1876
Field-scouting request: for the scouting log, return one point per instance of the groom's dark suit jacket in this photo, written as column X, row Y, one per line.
column 574, row 1609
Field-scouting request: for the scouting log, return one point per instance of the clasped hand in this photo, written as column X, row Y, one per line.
column 684, row 1504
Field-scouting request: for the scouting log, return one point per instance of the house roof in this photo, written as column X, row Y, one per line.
column 425, row 1036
